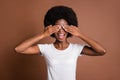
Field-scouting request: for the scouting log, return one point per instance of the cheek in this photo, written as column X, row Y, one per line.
column 66, row 34
column 55, row 34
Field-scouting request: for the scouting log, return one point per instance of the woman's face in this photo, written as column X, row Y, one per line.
column 61, row 35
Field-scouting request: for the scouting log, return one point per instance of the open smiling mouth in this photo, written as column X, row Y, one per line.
column 61, row 35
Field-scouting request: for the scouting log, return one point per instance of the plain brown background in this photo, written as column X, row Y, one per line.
column 22, row 19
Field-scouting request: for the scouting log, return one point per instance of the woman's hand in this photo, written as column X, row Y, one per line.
column 72, row 30
column 49, row 30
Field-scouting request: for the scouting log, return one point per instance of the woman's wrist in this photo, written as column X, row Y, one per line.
column 41, row 36
column 80, row 35
column 44, row 35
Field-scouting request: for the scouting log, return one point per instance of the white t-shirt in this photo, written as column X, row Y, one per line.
column 61, row 64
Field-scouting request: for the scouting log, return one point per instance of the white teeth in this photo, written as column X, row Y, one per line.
column 61, row 34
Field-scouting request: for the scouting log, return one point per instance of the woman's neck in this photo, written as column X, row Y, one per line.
column 61, row 45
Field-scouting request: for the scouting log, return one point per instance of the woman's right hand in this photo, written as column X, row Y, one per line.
column 49, row 30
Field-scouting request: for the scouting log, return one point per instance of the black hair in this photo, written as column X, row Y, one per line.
column 60, row 12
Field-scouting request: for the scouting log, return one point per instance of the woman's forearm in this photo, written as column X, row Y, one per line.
column 92, row 43
column 29, row 42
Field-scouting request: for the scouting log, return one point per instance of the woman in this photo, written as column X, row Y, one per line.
column 61, row 56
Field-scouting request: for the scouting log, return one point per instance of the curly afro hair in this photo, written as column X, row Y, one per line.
column 60, row 12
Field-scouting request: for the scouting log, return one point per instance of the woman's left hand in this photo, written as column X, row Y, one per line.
column 72, row 30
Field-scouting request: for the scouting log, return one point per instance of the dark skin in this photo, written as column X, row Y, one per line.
column 61, row 30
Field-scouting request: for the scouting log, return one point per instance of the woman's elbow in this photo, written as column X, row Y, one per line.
column 102, row 52
column 18, row 50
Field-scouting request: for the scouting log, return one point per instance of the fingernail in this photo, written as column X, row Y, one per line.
column 62, row 26
column 59, row 26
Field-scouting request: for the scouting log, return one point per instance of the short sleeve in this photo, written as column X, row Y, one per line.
column 42, row 48
column 79, row 48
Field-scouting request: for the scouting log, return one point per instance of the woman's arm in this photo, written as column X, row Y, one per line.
column 27, row 47
column 94, row 48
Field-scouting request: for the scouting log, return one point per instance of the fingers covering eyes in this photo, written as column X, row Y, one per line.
column 67, row 28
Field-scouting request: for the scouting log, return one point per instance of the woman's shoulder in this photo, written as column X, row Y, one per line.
column 77, row 44
column 46, row 44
